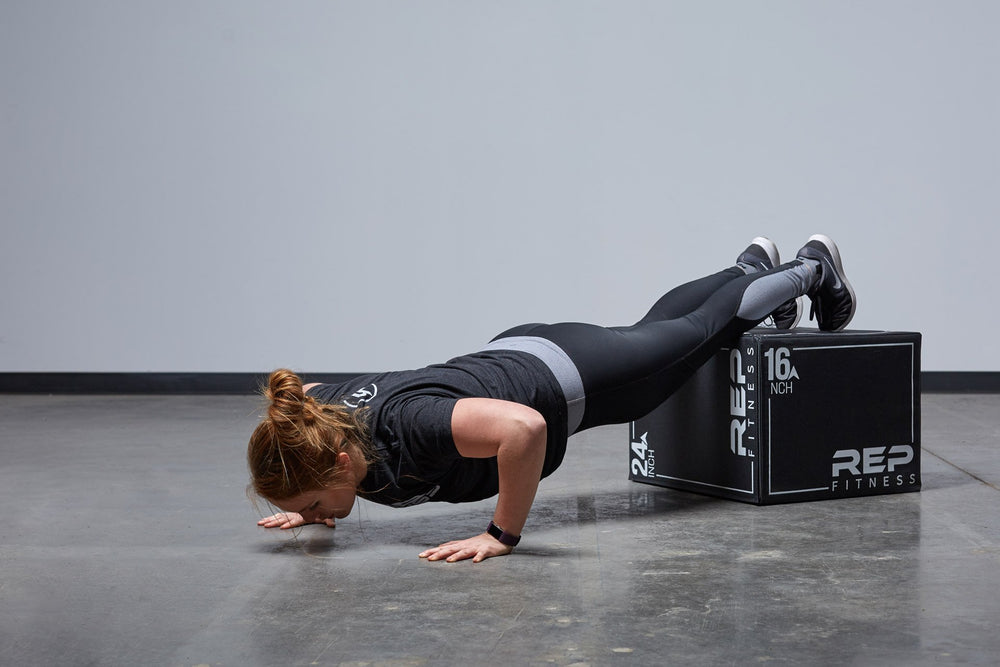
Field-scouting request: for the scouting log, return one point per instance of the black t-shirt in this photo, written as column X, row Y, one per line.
column 409, row 418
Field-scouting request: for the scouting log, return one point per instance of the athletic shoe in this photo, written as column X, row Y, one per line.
column 787, row 315
column 762, row 255
column 833, row 298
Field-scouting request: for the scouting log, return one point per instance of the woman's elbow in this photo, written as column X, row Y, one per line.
column 531, row 425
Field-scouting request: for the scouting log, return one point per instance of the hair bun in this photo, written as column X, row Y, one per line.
column 283, row 383
column 284, row 390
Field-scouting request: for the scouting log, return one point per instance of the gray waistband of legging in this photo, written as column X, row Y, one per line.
column 561, row 366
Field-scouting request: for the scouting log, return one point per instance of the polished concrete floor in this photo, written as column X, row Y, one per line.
column 127, row 539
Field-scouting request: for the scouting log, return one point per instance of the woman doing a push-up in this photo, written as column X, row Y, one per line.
column 496, row 421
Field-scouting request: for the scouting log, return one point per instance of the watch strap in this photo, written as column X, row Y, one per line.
column 502, row 536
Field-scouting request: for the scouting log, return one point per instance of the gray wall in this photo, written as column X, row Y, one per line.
column 332, row 186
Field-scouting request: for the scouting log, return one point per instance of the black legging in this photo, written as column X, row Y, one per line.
column 628, row 371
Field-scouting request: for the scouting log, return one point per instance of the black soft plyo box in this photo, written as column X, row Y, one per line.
column 790, row 416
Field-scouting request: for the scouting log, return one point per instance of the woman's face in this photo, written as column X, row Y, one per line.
column 334, row 502
column 331, row 502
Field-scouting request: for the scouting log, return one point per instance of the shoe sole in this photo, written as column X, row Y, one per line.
column 769, row 248
column 839, row 266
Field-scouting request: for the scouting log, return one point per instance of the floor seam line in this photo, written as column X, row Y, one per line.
column 960, row 468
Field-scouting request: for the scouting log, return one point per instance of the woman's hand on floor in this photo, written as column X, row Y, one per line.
column 286, row 520
column 477, row 548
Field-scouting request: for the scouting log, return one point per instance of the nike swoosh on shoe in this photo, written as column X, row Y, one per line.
column 836, row 275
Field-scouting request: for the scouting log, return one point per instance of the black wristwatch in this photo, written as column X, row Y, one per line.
column 502, row 536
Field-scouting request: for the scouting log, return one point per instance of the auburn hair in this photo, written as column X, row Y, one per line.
column 294, row 448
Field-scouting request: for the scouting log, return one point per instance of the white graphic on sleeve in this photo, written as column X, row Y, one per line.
column 361, row 396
